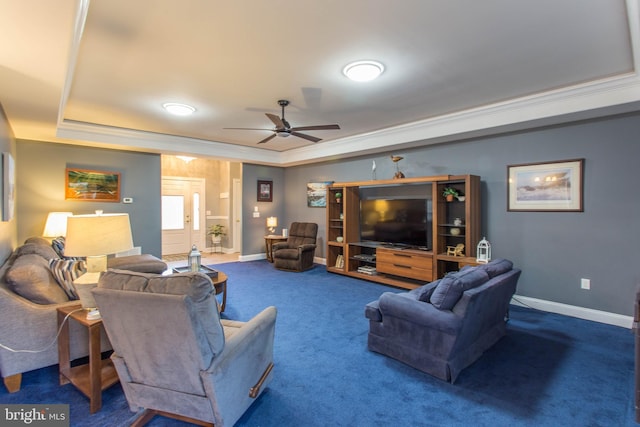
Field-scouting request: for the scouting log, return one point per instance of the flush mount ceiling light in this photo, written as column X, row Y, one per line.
column 363, row 71
column 178, row 109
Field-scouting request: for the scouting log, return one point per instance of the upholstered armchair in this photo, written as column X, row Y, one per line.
column 174, row 356
column 296, row 254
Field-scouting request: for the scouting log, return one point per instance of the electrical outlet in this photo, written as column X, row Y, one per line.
column 585, row 283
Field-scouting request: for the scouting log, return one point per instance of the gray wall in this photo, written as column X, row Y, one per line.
column 8, row 229
column 554, row 250
column 41, row 179
column 254, row 229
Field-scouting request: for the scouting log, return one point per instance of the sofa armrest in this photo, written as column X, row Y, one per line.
column 418, row 312
column 307, row 247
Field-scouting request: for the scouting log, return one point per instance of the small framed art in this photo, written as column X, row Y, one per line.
column 265, row 191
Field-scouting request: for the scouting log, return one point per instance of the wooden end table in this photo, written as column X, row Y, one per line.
column 269, row 241
column 218, row 278
column 90, row 378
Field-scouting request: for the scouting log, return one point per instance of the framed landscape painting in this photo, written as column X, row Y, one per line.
column 548, row 186
column 92, row 185
column 317, row 194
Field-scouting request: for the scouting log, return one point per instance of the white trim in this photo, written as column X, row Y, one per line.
column 574, row 311
column 254, row 257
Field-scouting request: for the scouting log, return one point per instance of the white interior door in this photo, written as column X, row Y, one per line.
column 182, row 219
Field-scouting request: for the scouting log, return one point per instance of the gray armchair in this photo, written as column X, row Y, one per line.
column 174, row 355
column 296, row 254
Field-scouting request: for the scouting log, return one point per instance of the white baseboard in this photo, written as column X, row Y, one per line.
column 253, row 257
column 574, row 311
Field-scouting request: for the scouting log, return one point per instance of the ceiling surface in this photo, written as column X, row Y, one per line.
column 97, row 72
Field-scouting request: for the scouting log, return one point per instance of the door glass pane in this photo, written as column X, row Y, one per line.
column 172, row 212
column 196, row 211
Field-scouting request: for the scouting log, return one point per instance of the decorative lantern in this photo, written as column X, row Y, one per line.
column 484, row 251
column 194, row 259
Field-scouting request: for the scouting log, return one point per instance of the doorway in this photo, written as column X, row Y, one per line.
column 183, row 222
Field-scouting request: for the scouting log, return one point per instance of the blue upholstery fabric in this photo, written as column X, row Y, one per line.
column 451, row 287
column 442, row 342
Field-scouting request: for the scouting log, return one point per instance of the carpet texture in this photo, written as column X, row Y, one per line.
column 549, row 370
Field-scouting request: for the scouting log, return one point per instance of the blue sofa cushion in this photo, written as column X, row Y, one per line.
column 424, row 292
column 450, row 289
column 497, row 267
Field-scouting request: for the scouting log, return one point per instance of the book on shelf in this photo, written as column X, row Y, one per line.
column 339, row 261
column 367, row 269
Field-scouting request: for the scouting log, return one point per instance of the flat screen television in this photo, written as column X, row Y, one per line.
column 396, row 222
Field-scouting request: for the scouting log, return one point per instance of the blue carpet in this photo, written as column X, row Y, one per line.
column 549, row 370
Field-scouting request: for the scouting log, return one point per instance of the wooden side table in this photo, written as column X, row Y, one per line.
column 93, row 377
column 269, row 241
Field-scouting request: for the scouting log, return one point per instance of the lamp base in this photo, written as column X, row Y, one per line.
column 83, row 285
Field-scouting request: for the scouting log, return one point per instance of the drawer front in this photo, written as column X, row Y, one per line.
column 404, row 265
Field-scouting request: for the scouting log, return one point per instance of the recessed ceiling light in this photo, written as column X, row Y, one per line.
column 363, row 71
column 178, row 109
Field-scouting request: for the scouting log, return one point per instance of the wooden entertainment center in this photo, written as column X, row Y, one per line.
column 404, row 267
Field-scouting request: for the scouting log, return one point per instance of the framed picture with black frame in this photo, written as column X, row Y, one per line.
column 265, row 191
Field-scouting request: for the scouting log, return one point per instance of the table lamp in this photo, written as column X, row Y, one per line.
column 95, row 237
column 56, row 224
column 272, row 223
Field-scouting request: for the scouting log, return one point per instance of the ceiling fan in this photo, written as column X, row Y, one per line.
column 284, row 129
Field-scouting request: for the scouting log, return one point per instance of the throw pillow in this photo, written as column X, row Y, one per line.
column 425, row 292
column 451, row 287
column 30, row 277
column 497, row 267
column 66, row 271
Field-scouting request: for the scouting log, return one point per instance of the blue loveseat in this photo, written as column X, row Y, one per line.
column 444, row 326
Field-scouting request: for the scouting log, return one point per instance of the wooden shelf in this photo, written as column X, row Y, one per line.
column 431, row 266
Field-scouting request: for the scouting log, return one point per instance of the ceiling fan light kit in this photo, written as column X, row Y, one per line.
column 283, row 128
column 363, row 71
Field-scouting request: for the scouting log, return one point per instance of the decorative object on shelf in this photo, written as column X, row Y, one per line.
column 455, row 231
column 272, row 223
column 395, row 160
column 450, row 193
column 461, row 198
column 457, row 221
column 457, row 250
column 216, row 232
column 339, row 239
column 548, row 186
column 265, row 191
column 341, row 215
column 317, row 194
column 195, row 259
column 338, row 197
column 373, row 170
column 483, row 252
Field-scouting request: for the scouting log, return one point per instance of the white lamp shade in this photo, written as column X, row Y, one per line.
column 272, row 222
column 56, row 224
column 91, row 235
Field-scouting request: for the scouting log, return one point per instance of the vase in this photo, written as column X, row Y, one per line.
column 455, row 231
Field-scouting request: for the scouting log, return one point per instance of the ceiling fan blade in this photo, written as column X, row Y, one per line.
column 267, row 139
column 307, row 137
column 318, row 127
column 276, row 121
column 249, row 129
